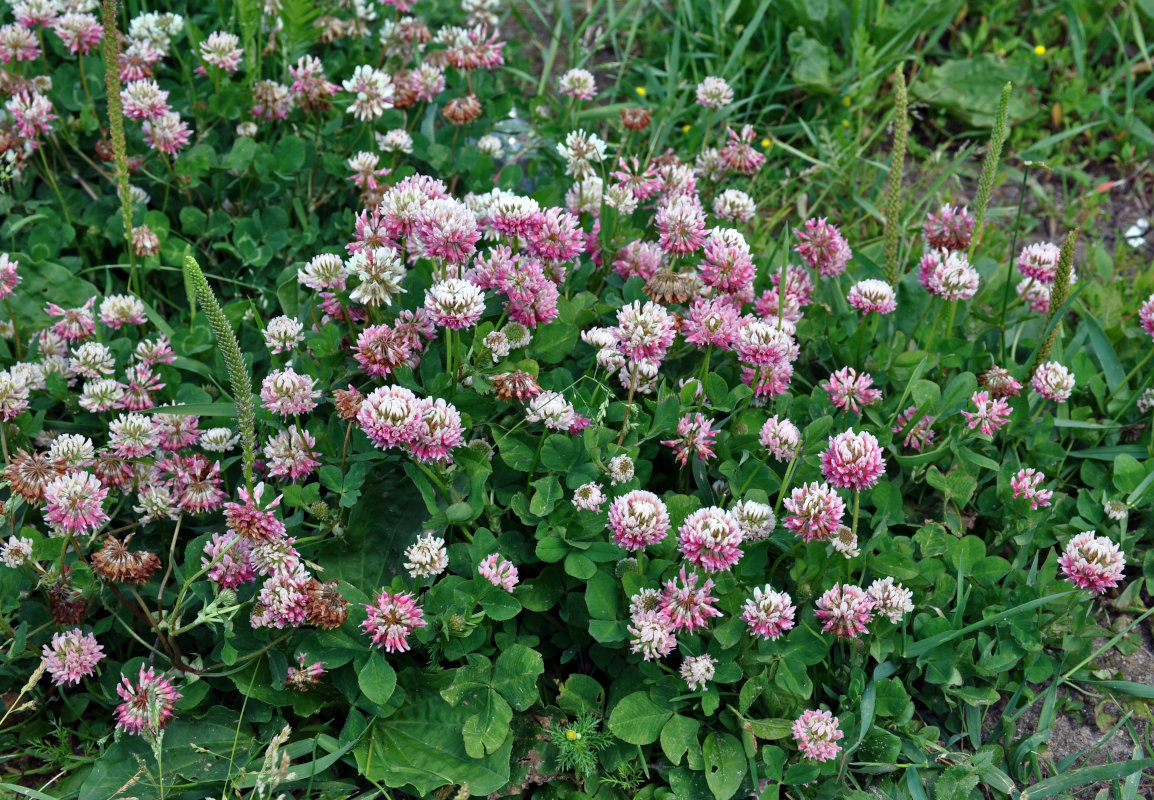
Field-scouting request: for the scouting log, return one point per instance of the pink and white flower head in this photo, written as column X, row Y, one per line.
column 589, row 496
column 288, row 393
column 32, row 112
column 221, row 50
column 144, row 100
column 92, row 360
column 681, row 225
column 427, row 557
column 920, row 435
column 872, row 295
column 712, row 322
column 133, row 436
column 989, row 416
column 1092, row 562
column 638, row 519
column 695, row 435
column 283, row 334
column 252, row 518
column 815, row 511
column 687, row 605
column 652, row 634
column 72, row 655
column 823, row 247
column 1034, row 294
column 951, row 228
column 768, row 614
column 18, row 43
column 756, row 520
column 372, row 92
column 817, row 734
column 513, row 215
column 644, row 332
column 74, row 324
column 147, row 706
column 282, row 601
column 578, row 83
column 9, row 279
column 734, row 205
column 780, row 437
column 455, row 303
column 1146, row 315
column 845, row 610
column 728, row 264
column 1026, row 484
column 891, row 599
column 764, row 343
column 439, row 432
column 714, row 92
column 739, row 155
column 310, row 84
column 498, row 572
column 620, row 469
column 324, row 271
column 1053, row 381
column 853, row 460
column 953, row 279
column 291, row 453
column 447, row 229
column 74, row 503
column 167, row 134
column 228, row 559
column 698, row 671
column 710, row 538
column 379, row 271
column 79, row 32
column 850, row 391
column 16, row 551
column 552, row 409
column 391, row 619
column 118, row 310
column 1040, row 261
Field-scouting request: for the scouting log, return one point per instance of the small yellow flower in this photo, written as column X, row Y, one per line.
column 1040, row 50
column 570, row 735
column 845, row 123
column 847, row 101
column 685, row 129
column 766, row 143
column 641, row 91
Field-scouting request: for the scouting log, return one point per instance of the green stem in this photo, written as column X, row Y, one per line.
column 785, row 481
column 934, row 327
column 52, row 182
column 1130, row 375
column 1010, row 262
column 950, row 320
column 536, row 458
column 628, row 406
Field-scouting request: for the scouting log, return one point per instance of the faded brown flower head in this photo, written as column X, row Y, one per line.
column 30, row 473
column 462, row 110
column 115, row 562
column 1000, row 382
column 666, row 159
column 404, row 89
column 515, row 385
column 636, row 119
column 67, row 605
column 670, row 288
column 348, row 403
column 326, row 608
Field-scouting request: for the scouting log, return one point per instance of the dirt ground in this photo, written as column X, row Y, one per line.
column 1083, row 730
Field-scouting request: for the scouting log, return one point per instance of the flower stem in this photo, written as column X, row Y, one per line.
column 628, row 405
column 785, row 481
column 1126, row 380
column 1010, row 262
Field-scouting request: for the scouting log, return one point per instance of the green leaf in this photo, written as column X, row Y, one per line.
column 548, row 492
column 725, row 764
column 421, row 745
column 197, row 409
column 923, row 646
column 487, row 730
column 637, row 719
column 500, row 605
column 891, row 698
column 580, row 693
column 377, row 679
column 678, row 735
column 1128, row 473
column 515, row 675
column 602, row 596
column 580, row 566
column 956, row 782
